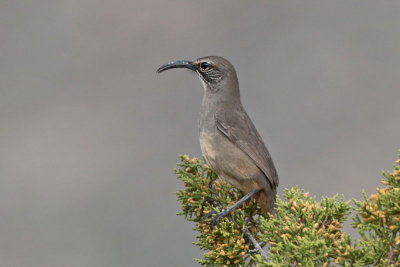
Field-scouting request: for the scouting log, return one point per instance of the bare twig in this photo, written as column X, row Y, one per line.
column 246, row 231
column 255, row 243
column 376, row 262
column 390, row 257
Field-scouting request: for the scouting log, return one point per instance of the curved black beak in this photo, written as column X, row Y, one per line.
column 177, row 64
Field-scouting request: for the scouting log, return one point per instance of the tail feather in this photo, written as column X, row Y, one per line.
column 266, row 201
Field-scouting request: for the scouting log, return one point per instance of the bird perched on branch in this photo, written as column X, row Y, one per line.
column 229, row 141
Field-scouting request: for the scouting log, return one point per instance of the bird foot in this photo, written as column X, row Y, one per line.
column 218, row 216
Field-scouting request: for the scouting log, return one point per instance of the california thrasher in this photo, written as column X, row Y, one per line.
column 229, row 141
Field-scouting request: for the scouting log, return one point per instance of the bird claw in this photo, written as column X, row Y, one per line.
column 218, row 216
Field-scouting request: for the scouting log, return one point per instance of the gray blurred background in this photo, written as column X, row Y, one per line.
column 90, row 134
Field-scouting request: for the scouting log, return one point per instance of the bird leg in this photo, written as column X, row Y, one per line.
column 228, row 211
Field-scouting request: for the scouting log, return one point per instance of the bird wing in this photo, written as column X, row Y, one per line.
column 240, row 130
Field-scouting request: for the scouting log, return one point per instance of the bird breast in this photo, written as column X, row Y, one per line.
column 208, row 148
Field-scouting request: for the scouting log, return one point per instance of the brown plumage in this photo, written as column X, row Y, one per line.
column 228, row 138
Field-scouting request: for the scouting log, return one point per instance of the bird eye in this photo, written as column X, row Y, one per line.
column 204, row 65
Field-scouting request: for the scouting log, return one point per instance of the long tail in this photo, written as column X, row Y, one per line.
column 266, row 200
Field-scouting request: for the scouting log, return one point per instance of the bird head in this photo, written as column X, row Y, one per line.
column 216, row 73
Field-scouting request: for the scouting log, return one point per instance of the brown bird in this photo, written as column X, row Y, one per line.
column 229, row 141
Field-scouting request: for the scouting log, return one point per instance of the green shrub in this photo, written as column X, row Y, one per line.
column 303, row 232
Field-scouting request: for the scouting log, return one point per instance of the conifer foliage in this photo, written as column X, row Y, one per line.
column 303, row 232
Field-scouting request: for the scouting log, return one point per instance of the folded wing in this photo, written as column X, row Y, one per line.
column 239, row 129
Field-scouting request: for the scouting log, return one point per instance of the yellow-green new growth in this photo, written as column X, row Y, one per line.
column 303, row 232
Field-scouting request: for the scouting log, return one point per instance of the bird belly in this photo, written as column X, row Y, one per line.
column 207, row 149
column 231, row 163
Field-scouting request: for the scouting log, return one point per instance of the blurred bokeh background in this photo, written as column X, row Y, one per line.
column 90, row 134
